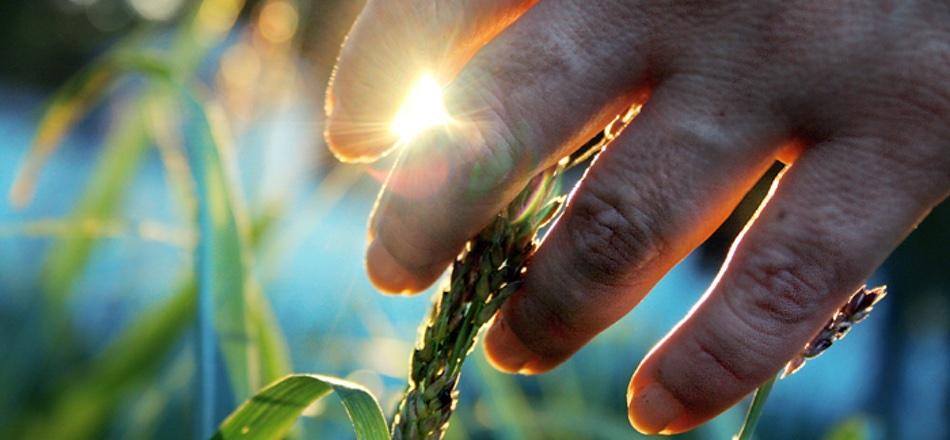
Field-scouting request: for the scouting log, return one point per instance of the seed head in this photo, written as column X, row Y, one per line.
column 857, row 309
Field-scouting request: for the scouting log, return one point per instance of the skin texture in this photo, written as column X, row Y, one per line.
column 852, row 95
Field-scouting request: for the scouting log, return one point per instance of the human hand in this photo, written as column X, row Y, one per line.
column 854, row 96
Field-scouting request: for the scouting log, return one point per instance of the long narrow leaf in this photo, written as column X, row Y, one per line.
column 272, row 349
column 271, row 412
column 124, row 150
column 221, row 271
column 70, row 103
column 222, row 325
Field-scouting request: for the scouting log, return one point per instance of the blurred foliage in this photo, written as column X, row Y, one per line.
column 855, row 428
column 87, row 399
column 226, row 297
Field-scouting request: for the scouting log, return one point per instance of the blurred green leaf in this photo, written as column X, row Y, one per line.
column 90, row 396
column 271, row 412
column 220, row 268
column 508, row 405
column 123, row 151
column 221, row 265
column 854, row 428
column 67, row 105
column 273, row 352
column 68, row 256
column 233, row 317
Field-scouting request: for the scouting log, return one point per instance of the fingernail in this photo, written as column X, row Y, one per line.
column 653, row 408
column 504, row 349
column 385, row 272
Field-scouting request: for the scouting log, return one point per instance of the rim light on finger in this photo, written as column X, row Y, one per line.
column 423, row 108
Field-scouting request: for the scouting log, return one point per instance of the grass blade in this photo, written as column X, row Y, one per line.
column 220, row 268
column 124, row 150
column 272, row 349
column 68, row 105
column 755, row 410
column 270, row 413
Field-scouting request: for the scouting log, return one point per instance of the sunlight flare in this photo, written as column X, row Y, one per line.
column 422, row 109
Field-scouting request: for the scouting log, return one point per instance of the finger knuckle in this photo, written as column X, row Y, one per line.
column 782, row 287
column 612, row 239
column 492, row 146
column 702, row 133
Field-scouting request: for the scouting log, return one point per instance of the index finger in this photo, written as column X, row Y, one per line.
column 390, row 46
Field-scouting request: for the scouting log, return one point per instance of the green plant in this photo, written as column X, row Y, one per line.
column 855, row 310
column 483, row 277
column 83, row 402
column 485, row 274
column 272, row 411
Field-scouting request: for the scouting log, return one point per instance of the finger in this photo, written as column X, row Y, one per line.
column 833, row 217
column 391, row 44
column 525, row 100
column 658, row 191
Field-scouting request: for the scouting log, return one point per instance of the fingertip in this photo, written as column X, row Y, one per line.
column 652, row 409
column 503, row 349
column 668, row 395
column 387, row 274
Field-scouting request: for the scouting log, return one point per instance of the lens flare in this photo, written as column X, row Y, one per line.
column 423, row 108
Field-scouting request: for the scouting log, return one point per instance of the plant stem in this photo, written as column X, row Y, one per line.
column 485, row 274
column 489, row 271
column 755, row 410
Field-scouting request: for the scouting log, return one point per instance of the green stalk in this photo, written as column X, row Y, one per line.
column 755, row 410
column 482, row 278
column 853, row 311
